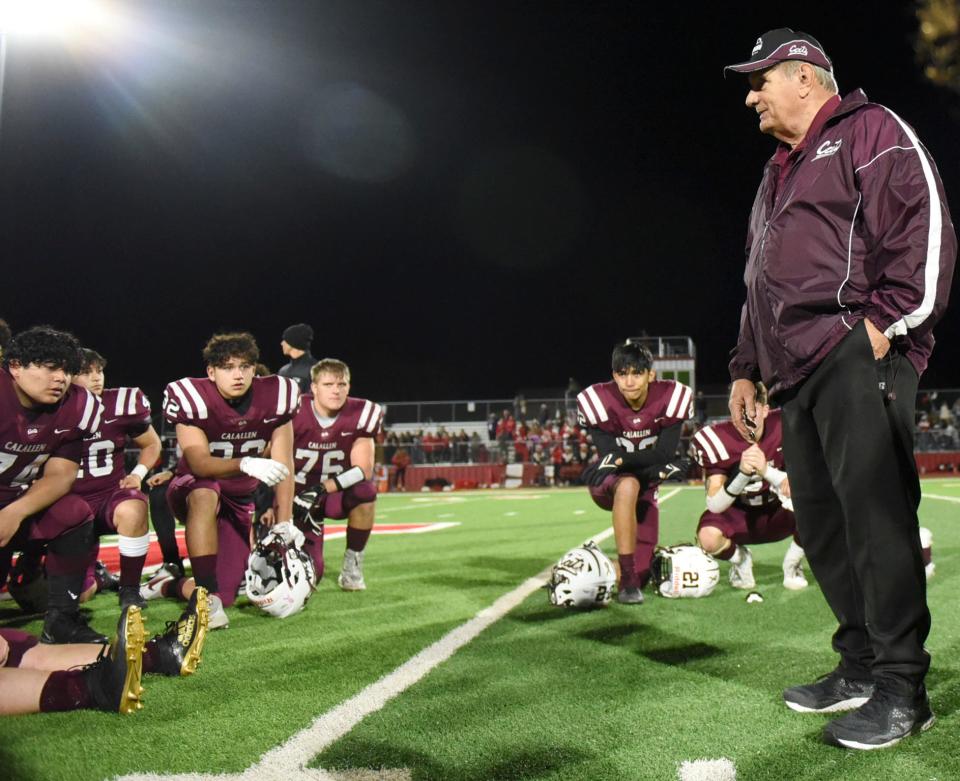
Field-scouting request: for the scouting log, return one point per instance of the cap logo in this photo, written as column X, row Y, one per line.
column 757, row 47
column 799, row 50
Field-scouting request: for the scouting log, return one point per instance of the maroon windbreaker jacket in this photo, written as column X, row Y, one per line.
column 860, row 228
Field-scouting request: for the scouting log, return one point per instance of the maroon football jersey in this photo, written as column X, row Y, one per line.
column 234, row 430
column 321, row 446
column 718, row 448
column 602, row 406
column 28, row 437
column 126, row 413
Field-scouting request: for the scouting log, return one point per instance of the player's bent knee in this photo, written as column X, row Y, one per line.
column 712, row 540
column 130, row 518
column 627, row 486
column 202, row 500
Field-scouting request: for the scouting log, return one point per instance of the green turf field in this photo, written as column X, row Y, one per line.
column 620, row 693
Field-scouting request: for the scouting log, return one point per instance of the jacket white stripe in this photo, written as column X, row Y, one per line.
column 931, row 270
column 374, row 419
column 367, row 407
column 587, row 410
column 705, row 446
column 185, row 404
column 717, row 442
column 597, row 404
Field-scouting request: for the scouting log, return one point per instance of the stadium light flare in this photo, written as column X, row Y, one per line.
column 58, row 18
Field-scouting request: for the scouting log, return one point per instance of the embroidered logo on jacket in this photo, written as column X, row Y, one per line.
column 828, row 148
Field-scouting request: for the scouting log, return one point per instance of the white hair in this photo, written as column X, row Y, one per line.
column 824, row 77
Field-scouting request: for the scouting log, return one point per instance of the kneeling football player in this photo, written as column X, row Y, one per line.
column 119, row 506
column 334, row 440
column 43, row 420
column 748, row 495
column 635, row 422
column 225, row 423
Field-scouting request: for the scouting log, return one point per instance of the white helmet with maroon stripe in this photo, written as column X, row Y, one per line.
column 280, row 574
column 584, row 577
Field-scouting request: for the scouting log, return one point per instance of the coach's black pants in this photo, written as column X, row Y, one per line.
column 848, row 448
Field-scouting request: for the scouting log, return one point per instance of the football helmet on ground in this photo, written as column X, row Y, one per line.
column 684, row 571
column 280, row 574
column 584, row 577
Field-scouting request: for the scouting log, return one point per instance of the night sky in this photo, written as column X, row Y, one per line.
column 464, row 199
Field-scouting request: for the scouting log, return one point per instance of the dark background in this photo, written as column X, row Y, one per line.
column 464, row 199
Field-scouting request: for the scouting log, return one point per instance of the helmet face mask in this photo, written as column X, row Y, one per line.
column 684, row 572
column 583, row 578
column 280, row 575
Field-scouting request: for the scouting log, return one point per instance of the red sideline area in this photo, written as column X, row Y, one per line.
column 938, row 462
column 464, row 476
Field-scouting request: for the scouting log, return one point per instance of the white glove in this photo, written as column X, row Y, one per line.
column 289, row 533
column 266, row 470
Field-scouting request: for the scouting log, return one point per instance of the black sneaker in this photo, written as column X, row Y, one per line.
column 178, row 649
column 829, row 694
column 130, row 595
column 884, row 721
column 106, row 580
column 630, row 596
column 114, row 679
column 28, row 584
column 59, row 626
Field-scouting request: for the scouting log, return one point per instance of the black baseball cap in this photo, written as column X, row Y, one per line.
column 780, row 45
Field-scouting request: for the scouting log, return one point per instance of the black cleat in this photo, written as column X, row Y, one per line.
column 630, row 596
column 130, row 595
column 829, row 694
column 884, row 721
column 106, row 580
column 178, row 649
column 114, row 679
column 28, row 584
column 60, row 626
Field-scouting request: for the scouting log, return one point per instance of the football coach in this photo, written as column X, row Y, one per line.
column 850, row 255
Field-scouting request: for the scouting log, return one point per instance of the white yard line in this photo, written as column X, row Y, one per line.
column 287, row 762
column 942, row 498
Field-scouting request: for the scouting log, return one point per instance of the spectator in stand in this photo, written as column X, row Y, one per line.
column 461, row 447
column 519, row 407
column 556, row 458
column 442, row 445
column 430, row 443
column 492, row 427
column 296, row 346
column 400, row 461
column 476, row 444
column 948, row 436
column 544, row 415
column 506, row 427
column 521, row 446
